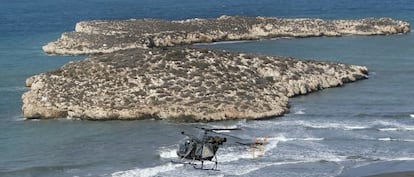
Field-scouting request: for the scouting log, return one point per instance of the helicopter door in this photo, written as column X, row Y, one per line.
column 208, row 152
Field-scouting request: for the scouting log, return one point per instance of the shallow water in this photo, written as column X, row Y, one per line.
column 359, row 129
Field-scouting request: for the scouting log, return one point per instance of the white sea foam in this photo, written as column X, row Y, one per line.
column 230, row 154
column 282, row 138
column 147, row 172
column 72, row 118
column 221, row 42
column 350, row 127
column 312, row 124
column 401, row 128
column 168, row 153
column 396, row 158
column 384, row 139
column 408, row 128
column 300, row 112
column 278, row 38
column 229, row 158
column 394, row 139
column 393, row 126
column 353, row 127
column 271, row 143
column 402, row 159
column 19, row 118
column 412, row 115
column 12, row 89
column 387, row 123
column 313, row 139
column 388, row 129
column 344, row 126
column 33, row 120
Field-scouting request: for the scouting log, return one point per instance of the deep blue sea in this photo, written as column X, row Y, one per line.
column 360, row 129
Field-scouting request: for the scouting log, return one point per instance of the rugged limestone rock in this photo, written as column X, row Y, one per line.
column 179, row 83
column 108, row 36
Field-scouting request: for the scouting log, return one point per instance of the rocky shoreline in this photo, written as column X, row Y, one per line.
column 136, row 73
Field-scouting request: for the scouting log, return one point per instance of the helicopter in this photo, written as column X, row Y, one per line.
column 205, row 148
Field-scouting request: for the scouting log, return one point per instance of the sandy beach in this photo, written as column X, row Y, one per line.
column 398, row 174
column 396, row 168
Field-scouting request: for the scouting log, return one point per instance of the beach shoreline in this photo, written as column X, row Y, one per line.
column 395, row 174
column 394, row 168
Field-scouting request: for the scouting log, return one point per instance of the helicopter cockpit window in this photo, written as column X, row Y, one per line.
column 184, row 145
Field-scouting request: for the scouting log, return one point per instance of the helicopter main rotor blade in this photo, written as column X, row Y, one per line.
column 231, row 136
column 250, row 144
column 239, row 140
column 191, row 136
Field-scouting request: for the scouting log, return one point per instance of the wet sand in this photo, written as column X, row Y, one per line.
column 398, row 174
column 396, row 168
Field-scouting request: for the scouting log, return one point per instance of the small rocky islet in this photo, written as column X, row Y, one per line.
column 144, row 68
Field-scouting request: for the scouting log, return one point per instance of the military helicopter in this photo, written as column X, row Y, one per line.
column 205, row 148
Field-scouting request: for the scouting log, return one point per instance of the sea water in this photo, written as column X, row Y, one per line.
column 362, row 128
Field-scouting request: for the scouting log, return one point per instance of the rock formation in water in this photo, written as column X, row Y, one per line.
column 135, row 72
column 109, row 36
column 179, row 83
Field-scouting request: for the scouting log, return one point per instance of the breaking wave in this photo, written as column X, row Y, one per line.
column 350, row 126
column 241, row 160
column 147, row 172
column 329, row 125
column 397, row 129
column 395, row 139
column 393, row 126
column 401, row 159
column 168, row 152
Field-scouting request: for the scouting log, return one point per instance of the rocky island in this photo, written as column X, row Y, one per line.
column 100, row 36
column 140, row 69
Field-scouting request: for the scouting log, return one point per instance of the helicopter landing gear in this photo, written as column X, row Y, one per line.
column 202, row 167
column 214, row 168
column 199, row 166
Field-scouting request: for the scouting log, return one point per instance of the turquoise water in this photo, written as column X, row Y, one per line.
column 348, row 131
